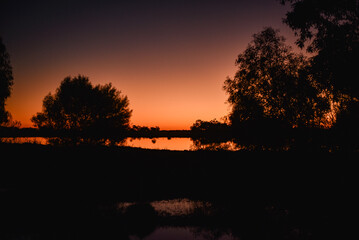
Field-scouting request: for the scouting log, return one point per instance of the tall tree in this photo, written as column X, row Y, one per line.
column 273, row 82
column 79, row 106
column 6, row 82
column 329, row 28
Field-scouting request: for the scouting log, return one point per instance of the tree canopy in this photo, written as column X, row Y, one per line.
column 273, row 82
column 79, row 106
column 6, row 82
column 330, row 29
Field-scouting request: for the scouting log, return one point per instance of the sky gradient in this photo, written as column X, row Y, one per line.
column 169, row 57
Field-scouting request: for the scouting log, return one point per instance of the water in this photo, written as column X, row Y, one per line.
column 179, row 144
column 176, row 219
column 180, row 219
column 162, row 143
column 185, row 233
column 36, row 140
column 174, row 207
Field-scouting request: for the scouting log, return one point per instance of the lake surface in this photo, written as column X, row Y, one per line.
column 173, row 207
column 177, row 219
column 163, row 143
column 185, row 233
column 179, row 144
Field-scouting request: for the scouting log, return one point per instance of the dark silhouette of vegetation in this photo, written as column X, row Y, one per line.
column 80, row 108
column 213, row 128
column 346, row 126
column 273, row 82
column 142, row 131
column 278, row 97
column 210, row 135
column 331, row 30
column 273, row 91
column 6, row 82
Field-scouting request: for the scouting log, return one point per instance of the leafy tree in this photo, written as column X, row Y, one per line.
column 79, row 106
column 6, row 82
column 330, row 29
column 273, row 83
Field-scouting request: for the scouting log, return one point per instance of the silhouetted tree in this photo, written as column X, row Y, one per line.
column 6, row 82
column 331, row 30
column 209, row 128
column 273, row 82
column 79, row 106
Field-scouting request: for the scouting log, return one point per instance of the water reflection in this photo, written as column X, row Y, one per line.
column 166, row 219
column 180, row 207
column 161, row 143
column 174, row 144
column 173, row 207
column 173, row 219
column 187, row 233
column 31, row 140
column 215, row 146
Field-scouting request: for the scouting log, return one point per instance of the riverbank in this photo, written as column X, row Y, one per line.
column 41, row 183
column 169, row 172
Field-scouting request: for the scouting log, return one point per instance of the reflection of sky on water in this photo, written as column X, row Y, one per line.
column 174, row 144
column 179, row 144
column 183, row 233
column 36, row 140
column 173, row 207
column 177, row 208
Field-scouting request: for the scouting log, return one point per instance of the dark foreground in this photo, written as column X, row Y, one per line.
column 70, row 192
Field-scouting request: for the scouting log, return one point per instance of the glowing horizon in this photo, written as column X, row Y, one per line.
column 169, row 59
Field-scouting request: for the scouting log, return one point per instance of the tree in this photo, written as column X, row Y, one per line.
column 80, row 107
column 330, row 29
column 6, row 82
column 213, row 128
column 273, row 83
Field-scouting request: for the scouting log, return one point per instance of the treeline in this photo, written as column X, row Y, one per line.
column 270, row 135
column 134, row 132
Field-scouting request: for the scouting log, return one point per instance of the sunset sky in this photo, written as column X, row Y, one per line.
column 170, row 57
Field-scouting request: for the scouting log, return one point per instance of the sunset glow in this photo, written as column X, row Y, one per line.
column 170, row 59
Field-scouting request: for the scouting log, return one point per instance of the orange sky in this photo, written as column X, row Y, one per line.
column 170, row 59
column 172, row 98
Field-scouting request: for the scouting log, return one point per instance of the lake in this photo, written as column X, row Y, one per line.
column 162, row 143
